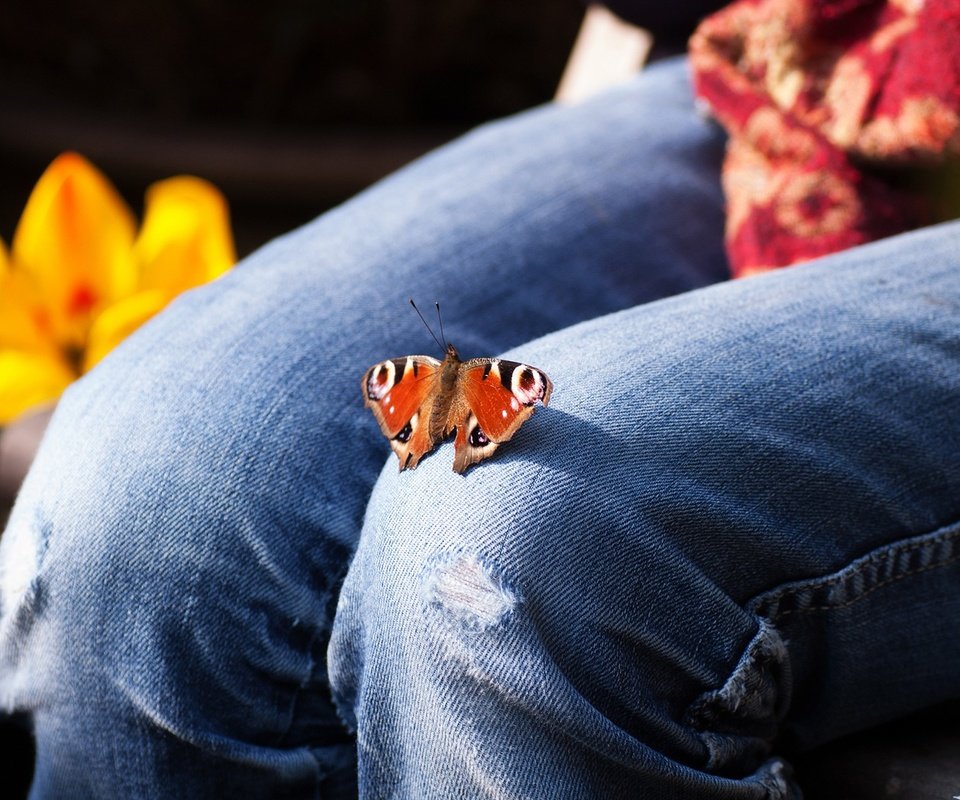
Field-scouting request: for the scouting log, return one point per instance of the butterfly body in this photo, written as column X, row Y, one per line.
column 419, row 401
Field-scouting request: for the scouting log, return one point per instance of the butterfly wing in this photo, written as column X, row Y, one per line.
column 397, row 392
column 497, row 398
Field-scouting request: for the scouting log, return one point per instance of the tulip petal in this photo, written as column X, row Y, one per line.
column 185, row 239
column 74, row 241
column 24, row 324
column 118, row 321
column 28, row 380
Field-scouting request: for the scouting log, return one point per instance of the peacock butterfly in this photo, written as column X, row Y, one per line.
column 418, row 401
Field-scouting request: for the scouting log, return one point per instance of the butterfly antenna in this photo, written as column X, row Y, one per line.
column 440, row 318
column 427, row 325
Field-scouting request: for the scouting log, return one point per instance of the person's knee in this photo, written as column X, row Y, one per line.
column 614, row 549
column 518, row 613
column 141, row 570
column 598, row 567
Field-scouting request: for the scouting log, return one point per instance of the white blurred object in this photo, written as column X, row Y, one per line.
column 606, row 52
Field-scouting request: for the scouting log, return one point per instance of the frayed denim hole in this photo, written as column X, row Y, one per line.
column 776, row 777
column 468, row 592
column 738, row 721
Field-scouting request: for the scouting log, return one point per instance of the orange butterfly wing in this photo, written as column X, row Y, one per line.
column 397, row 392
column 499, row 397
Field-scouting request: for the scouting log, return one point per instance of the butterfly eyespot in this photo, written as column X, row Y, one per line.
column 478, row 438
column 405, row 433
column 527, row 385
column 381, row 380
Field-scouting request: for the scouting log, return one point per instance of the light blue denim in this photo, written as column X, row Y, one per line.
column 733, row 534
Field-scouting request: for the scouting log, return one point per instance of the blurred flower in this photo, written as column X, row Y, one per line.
column 79, row 277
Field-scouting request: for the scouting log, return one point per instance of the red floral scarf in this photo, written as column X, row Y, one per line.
column 842, row 115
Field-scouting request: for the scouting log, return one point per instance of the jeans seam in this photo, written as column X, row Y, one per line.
column 867, row 592
column 766, row 605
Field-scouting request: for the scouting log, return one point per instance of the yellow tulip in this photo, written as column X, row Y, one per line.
column 79, row 277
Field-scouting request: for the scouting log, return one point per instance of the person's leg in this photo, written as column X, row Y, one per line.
column 734, row 532
column 168, row 577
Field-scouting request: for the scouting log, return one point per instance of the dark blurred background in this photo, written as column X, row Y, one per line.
column 288, row 106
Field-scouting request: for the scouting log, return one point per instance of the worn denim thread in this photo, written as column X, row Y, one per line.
column 494, row 600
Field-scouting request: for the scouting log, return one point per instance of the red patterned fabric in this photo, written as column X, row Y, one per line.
column 834, row 108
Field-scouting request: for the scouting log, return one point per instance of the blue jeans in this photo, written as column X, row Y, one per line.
column 733, row 534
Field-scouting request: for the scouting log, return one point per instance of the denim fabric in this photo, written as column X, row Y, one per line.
column 728, row 536
column 733, row 533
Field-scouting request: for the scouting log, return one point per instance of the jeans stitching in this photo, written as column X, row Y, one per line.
column 766, row 605
column 908, row 573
